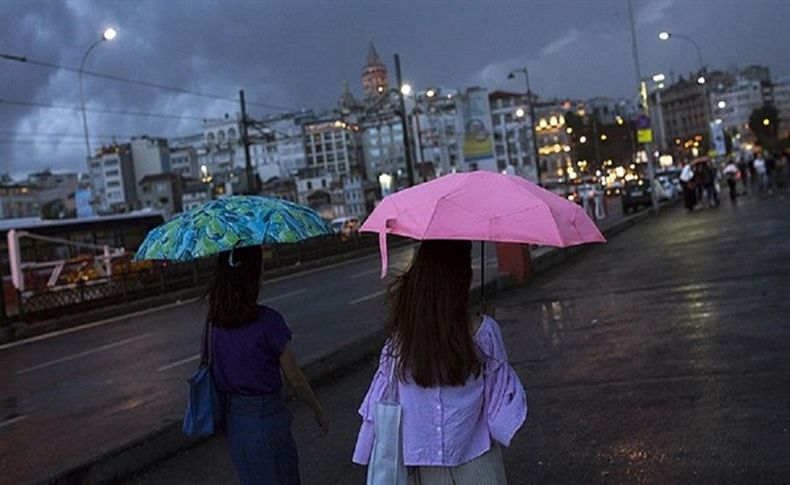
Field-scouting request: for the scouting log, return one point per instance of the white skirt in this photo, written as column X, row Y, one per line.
column 486, row 469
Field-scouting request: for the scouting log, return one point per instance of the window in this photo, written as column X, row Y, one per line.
column 114, row 183
column 111, row 173
column 309, row 185
column 113, row 162
column 341, row 167
column 323, row 183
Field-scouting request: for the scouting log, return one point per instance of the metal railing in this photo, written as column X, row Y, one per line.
column 167, row 277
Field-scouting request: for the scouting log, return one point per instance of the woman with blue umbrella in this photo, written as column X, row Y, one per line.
column 246, row 345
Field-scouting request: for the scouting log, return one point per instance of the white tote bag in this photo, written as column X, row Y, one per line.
column 386, row 459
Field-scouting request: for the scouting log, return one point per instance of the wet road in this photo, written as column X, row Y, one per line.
column 68, row 397
column 661, row 357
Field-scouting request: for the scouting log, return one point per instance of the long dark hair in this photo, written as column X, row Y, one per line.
column 429, row 321
column 233, row 294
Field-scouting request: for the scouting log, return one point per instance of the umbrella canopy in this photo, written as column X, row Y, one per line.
column 231, row 222
column 482, row 206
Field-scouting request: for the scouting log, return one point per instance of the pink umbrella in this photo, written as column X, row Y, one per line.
column 482, row 206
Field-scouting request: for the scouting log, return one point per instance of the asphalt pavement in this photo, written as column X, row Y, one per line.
column 660, row 357
column 74, row 395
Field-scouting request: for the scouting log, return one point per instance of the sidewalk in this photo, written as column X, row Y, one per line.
column 660, row 357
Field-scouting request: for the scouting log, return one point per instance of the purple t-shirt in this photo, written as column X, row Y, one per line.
column 246, row 359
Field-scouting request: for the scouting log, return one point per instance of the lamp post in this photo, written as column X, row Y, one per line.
column 106, row 36
column 531, row 100
column 651, row 173
column 404, row 90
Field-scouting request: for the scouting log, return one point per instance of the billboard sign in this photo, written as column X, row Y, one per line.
column 478, row 140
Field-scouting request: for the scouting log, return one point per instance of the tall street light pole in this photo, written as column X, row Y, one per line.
column 107, row 35
column 404, row 121
column 642, row 89
column 531, row 100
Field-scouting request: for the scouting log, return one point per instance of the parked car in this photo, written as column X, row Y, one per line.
column 636, row 193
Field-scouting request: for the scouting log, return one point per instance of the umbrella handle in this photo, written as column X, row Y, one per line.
column 231, row 262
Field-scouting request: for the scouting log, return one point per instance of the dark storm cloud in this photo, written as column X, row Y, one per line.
column 297, row 54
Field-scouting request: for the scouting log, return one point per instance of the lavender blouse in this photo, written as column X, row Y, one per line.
column 448, row 426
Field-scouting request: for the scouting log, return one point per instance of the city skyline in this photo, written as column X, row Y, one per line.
column 440, row 44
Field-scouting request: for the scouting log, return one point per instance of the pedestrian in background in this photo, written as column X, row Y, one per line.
column 743, row 169
column 250, row 347
column 781, row 172
column 708, row 181
column 762, row 173
column 689, row 190
column 731, row 174
column 460, row 397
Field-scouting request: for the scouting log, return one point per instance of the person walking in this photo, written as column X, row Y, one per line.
column 742, row 168
column 687, row 177
column 762, row 173
column 708, row 181
column 731, row 174
column 461, row 400
column 250, row 346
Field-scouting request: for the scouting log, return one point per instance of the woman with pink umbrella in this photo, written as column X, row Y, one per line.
column 445, row 398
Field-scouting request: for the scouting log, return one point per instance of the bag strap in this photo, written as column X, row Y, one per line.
column 391, row 391
column 207, row 349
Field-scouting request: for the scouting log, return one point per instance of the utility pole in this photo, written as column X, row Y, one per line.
column 245, row 140
column 651, row 172
column 405, row 124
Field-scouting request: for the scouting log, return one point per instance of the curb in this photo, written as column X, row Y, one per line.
column 320, row 369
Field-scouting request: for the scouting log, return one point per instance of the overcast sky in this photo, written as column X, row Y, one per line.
column 296, row 54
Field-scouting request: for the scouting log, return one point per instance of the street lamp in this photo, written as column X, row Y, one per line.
column 108, row 35
column 701, row 80
column 430, row 93
column 722, row 104
column 405, row 89
column 520, row 113
column 667, row 35
column 582, row 139
column 531, row 101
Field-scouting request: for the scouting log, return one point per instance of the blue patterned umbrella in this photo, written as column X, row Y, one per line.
column 231, row 222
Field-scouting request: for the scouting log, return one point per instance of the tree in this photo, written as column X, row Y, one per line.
column 764, row 123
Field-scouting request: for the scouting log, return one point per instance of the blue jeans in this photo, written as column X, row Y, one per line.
column 261, row 444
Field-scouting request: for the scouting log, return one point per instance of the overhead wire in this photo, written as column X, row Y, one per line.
column 112, row 77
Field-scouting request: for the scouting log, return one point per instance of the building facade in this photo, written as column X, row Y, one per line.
column 162, row 192
column 150, row 155
column 184, row 162
column 113, row 179
column 332, row 145
column 685, row 111
column 18, row 200
column 512, row 133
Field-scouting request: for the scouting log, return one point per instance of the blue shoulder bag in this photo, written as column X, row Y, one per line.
column 203, row 413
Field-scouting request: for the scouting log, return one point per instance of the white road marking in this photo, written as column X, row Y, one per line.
column 178, row 363
column 365, row 273
column 366, row 298
column 82, row 354
column 11, row 421
column 266, row 299
column 58, row 333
